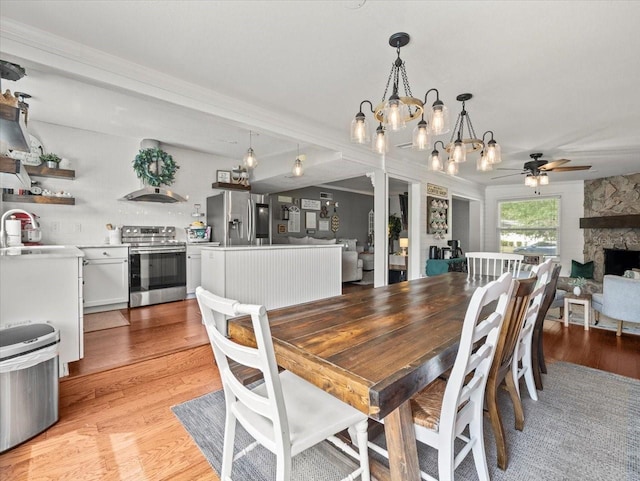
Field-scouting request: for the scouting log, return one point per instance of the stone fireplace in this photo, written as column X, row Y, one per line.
column 611, row 196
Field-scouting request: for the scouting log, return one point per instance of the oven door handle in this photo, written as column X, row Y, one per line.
column 250, row 222
column 158, row 251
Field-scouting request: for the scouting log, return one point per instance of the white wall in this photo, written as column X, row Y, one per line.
column 570, row 236
column 104, row 173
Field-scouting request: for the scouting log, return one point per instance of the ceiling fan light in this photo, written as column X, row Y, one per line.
column 250, row 160
column 394, row 113
column 493, row 152
column 435, row 164
column 543, row 179
column 452, row 167
column 380, row 144
column 439, row 118
column 360, row 129
column 421, row 138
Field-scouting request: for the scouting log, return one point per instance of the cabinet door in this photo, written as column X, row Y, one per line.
column 194, row 272
column 106, row 281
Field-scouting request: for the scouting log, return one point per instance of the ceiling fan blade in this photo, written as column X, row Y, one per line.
column 569, row 169
column 506, row 168
column 554, row 164
column 508, row 175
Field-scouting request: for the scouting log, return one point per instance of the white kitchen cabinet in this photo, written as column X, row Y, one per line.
column 106, row 278
column 40, row 284
column 194, row 268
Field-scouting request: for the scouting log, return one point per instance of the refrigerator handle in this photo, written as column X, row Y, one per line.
column 249, row 221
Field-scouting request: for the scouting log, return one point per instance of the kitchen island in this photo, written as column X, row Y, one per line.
column 275, row 275
column 40, row 284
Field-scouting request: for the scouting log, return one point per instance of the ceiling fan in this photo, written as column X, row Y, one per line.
column 537, row 166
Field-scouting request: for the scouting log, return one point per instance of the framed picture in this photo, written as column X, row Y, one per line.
column 223, row 176
column 310, row 220
column 282, row 229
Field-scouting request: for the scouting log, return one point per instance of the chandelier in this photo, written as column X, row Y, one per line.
column 394, row 112
column 459, row 145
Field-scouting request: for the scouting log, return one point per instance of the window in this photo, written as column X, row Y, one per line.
column 529, row 226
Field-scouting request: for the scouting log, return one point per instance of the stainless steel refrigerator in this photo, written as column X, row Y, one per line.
column 239, row 218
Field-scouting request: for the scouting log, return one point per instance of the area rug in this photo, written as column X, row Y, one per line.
column 104, row 320
column 367, row 279
column 585, row 426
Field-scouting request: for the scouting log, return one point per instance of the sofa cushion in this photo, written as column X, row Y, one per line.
column 320, row 242
column 307, row 240
column 582, row 270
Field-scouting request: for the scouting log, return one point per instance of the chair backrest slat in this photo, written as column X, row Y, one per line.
column 493, row 264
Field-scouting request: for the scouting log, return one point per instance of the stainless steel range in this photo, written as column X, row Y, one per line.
column 157, row 265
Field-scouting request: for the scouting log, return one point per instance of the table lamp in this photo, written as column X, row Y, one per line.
column 404, row 244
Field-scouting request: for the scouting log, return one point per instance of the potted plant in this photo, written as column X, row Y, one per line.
column 578, row 283
column 394, row 228
column 50, row 160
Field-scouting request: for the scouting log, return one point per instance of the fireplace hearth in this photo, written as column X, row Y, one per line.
column 616, row 261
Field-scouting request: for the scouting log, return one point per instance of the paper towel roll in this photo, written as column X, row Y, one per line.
column 13, row 227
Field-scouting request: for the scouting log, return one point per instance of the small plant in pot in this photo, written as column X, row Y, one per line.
column 578, row 284
column 50, row 160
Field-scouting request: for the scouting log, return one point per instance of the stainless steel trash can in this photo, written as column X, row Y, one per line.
column 28, row 382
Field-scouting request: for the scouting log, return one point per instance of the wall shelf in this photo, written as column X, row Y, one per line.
column 44, row 171
column 227, row 186
column 38, row 199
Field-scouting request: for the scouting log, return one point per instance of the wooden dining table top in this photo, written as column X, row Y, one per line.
column 373, row 349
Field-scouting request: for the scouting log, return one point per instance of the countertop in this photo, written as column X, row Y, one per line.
column 270, row 247
column 40, row 252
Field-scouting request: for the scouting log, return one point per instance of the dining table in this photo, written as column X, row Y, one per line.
column 374, row 349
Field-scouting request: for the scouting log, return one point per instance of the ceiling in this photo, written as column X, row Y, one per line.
column 554, row 77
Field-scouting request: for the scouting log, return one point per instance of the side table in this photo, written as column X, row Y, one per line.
column 583, row 300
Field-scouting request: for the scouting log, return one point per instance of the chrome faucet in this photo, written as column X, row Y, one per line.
column 3, row 231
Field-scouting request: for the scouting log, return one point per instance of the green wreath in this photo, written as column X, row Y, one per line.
column 165, row 171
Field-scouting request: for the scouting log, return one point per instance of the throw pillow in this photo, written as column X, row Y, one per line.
column 582, row 270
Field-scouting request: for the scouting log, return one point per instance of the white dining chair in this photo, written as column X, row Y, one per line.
column 443, row 409
column 285, row 414
column 493, row 264
column 522, row 363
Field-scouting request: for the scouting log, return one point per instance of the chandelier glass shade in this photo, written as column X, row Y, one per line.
column 298, row 169
column 394, row 112
column 435, row 164
column 250, row 160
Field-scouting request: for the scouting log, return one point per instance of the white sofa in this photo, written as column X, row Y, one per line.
column 351, row 263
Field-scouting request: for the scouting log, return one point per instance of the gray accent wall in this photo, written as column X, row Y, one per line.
column 353, row 211
column 460, row 220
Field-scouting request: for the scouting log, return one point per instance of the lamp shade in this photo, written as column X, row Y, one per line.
column 360, row 130
column 404, row 242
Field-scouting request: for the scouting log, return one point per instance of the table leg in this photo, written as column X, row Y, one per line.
column 401, row 444
column 566, row 312
column 587, row 312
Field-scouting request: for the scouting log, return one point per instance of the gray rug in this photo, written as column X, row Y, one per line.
column 585, row 426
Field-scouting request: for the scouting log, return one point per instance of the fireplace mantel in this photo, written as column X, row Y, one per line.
column 611, row 222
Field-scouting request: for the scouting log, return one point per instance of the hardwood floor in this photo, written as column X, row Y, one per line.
column 115, row 418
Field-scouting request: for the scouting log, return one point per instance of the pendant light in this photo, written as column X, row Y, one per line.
column 435, row 164
column 298, row 169
column 380, row 144
column 250, row 160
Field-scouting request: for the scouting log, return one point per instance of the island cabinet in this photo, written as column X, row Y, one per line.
column 194, row 267
column 106, row 278
column 273, row 276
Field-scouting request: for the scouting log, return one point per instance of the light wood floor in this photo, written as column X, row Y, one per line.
column 115, row 418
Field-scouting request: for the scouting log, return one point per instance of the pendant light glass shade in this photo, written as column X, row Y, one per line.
column 483, row 164
column 493, row 152
column 452, row 167
column 421, row 139
column 458, row 152
column 380, row 144
column 435, row 164
column 297, row 169
column 394, row 113
column 250, row 160
column 360, row 129
column 439, row 119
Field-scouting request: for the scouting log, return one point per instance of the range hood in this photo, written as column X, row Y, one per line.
column 150, row 193
column 154, row 194
column 13, row 111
